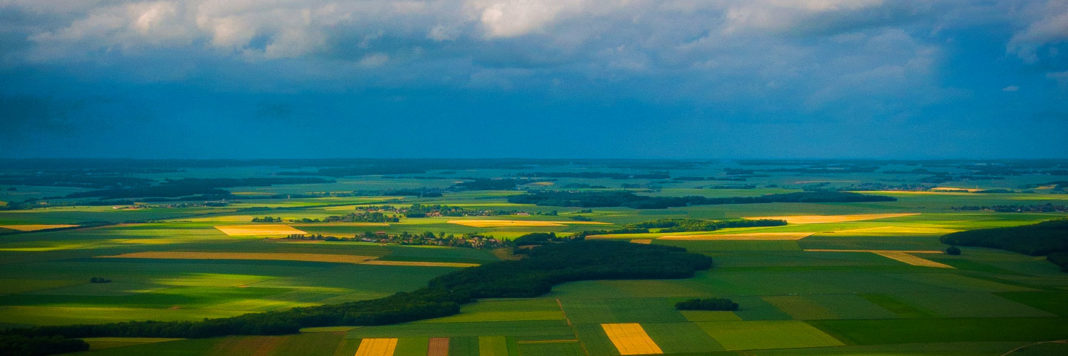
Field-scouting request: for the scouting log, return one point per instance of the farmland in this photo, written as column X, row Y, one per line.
column 839, row 277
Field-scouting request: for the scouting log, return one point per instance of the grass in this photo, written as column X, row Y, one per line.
column 1052, row 302
column 901, row 331
column 551, row 349
column 686, row 337
column 752, row 335
column 492, row 346
column 505, row 310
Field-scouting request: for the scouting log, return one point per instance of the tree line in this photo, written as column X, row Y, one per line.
column 1049, row 238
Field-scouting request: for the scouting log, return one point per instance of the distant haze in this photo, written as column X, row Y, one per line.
column 534, row 78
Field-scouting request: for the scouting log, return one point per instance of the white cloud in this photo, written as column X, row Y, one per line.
column 373, row 60
column 1051, row 26
column 783, row 14
column 511, row 18
column 1010, row 89
column 442, row 33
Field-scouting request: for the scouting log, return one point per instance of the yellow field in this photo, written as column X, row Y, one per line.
column 305, row 257
column 954, row 189
column 912, row 260
column 756, row 236
column 519, row 223
column 35, row 227
column 308, row 257
column 900, row 256
column 911, row 192
column 642, row 241
column 259, row 230
column 344, row 224
column 821, row 219
column 911, row 230
column 419, row 264
column 377, row 347
column 631, row 339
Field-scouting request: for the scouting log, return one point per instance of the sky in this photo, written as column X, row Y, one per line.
column 534, row 78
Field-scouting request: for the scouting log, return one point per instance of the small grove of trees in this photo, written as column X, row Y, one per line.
column 373, row 216
column 537, row 239
column 267, row 219
column 99, row 280
column 953, row 251
column 707, row 304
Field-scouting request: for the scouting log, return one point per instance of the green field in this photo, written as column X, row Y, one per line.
column 793, row 301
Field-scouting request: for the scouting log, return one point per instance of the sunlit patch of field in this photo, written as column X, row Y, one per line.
column 66, row 315
column 641, row 241
column 912, row 260
column 911, row 192
column 822, row 219
column 378, row 347
column 259, row 230
column 542, row 184
column 306, row 257
column 631, row 339
column 221, row 218
column 520, row 223
column 281, row 256
column 37, row 227
column 955, row 189
column 904, row 256
column 342, row 224
column 756, row 236
column 897, row 230
column 419, row 264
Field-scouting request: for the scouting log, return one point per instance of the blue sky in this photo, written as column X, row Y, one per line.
column 534, row 78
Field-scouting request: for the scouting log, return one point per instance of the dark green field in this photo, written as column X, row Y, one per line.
column 808, row 287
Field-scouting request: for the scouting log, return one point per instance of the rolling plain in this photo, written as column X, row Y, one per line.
column 867, row 277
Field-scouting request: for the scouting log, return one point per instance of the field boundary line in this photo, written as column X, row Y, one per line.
column 560, row 341
column 572, row 326
column 1065, row 341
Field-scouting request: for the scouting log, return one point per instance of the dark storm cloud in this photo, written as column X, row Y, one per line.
column 602, row 78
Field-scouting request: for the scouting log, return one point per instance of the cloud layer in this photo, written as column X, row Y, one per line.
column 701, row 66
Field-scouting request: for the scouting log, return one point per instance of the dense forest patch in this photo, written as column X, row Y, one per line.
column 1049, row 238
